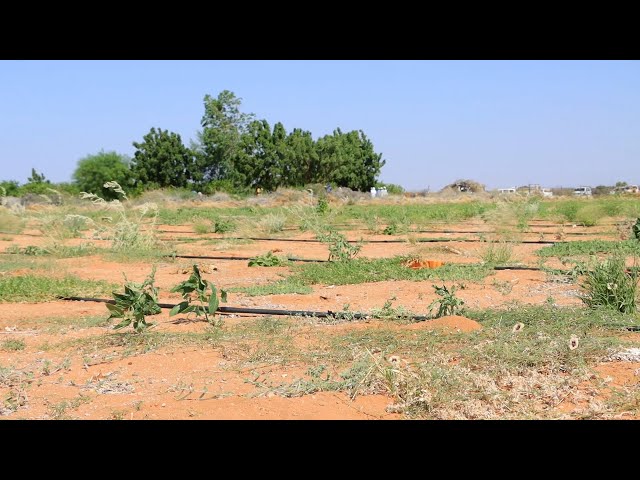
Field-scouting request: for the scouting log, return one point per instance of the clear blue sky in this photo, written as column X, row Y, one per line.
column 503, row 123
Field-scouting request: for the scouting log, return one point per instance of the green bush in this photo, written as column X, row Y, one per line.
column 267, row 260
column 94, row 171
column 610, row 285
column 392, row 188
column 9, row 188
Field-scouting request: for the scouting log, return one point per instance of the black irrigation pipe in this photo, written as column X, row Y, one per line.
column 27, row 234
column 523, row 233
column 262, row 311
column 517, row 268
column 208, row 257
column 418, row 240
column 441, row 231
column 292, row 313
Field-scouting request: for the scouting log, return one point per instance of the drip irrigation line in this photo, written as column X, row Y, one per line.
column 473, row 232
column 296, row 313
column 208, row 257
column 517, row 268
column 262, row 311
column 27, row 234
column 417, row 240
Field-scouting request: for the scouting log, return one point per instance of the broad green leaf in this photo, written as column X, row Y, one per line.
column 179, row 308
column 213, row 301
column 123, row 324
column 114, row 309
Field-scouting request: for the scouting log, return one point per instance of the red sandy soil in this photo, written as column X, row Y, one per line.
column 168, row 383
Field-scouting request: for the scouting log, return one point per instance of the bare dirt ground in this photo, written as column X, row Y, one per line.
column 61, row 372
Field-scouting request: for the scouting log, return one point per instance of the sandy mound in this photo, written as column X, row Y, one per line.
column 451, row 323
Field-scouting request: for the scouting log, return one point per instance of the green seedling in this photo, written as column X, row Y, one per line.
column 449, row 304
column 137, row 301
column 199, row 296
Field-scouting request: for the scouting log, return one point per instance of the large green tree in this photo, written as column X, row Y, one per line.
column 348, row 160
column 256, row 163
column 302, row 166
column 94, row 171
column 162, row 160
column 220, row 140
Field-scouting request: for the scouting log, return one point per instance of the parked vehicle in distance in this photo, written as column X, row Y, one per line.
column 546, row 192
column 582, row 191
column 625, row 189
column 507, row 190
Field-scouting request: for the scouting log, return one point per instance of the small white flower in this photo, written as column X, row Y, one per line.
column 394, row 359
column 573, row 342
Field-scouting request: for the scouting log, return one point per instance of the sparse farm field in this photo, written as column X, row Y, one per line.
column 521, row 342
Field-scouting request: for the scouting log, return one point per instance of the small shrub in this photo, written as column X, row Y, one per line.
column 340, row 250
column 610, row 285
column 137, row 301
column 449, row 304
column 202, row 227
column 127, row 233
column 30, row 250
column 497, row 254
column 636, row 229
column 272, row 223
column 13, row 345
column 75, row 224
column 391, row 229
column 323, row 205
column 589, row 215
column 202, row 292
column 267, row 260
column 222, row 225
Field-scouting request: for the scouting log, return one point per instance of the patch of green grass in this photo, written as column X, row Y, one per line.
column 588, row 211
column 131, row 343
column 590, row 247
column 414, row 213
column 493, row 373
column 10, row 263
column 150, row 254
column 13, row 345
column 58, row 411
column 202, row 227
column 189, row 215
column 282, row 287
column 217, row 225
column 543, row 342
column 63, row 324
column 364, row 270
column 36, row 288
column 497, row 253
column 268, row 260
column 56, row 250
column 272, row 223
column 609, row 285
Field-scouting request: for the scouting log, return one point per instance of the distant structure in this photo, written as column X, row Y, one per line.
column 468, row 186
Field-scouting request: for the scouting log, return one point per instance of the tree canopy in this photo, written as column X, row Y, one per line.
column 162, row 160
column 94, row 171
column 234, row 150
column 236, row 147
